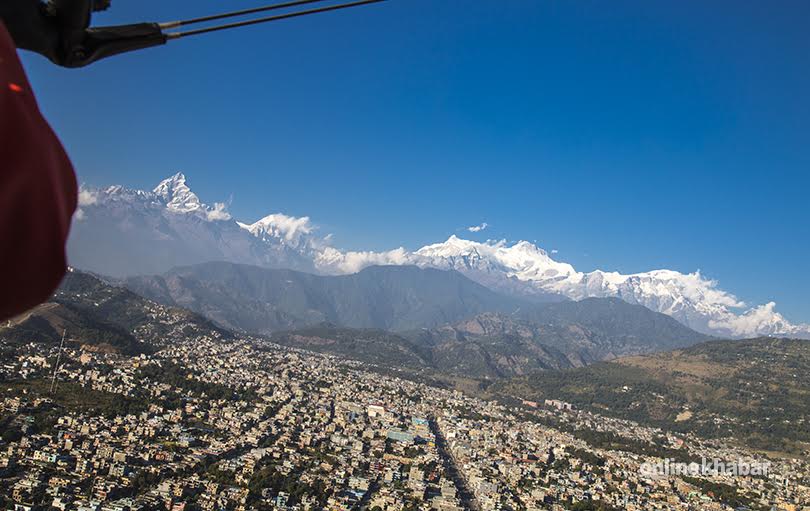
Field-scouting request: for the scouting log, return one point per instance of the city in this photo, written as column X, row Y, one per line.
column 212, row 424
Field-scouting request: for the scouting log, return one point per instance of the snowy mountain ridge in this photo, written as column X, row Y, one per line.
column 173, row 228
column 522, row 267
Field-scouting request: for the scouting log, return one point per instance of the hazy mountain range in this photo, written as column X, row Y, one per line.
column 263, row 301
column 440, row 318
column 122, row 232
column 442, row 322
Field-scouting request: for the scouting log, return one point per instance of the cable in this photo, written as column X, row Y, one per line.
column 175, row 24
column 177, row 35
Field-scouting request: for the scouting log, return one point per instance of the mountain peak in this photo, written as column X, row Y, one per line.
column 527, row 246
column 171, row 183
column 454, row 246
column 292, row 230
column 522, row 260
column 177, row 195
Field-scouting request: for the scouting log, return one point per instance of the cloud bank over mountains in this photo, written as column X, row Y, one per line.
column 123, row 232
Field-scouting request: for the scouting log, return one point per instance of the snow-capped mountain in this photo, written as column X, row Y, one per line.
column 123, row 232
column 523, row 268
column 178, row 196
column 690, row 298
column 296, row 233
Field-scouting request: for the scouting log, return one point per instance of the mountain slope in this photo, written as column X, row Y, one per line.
column 496, row 345
column 619, row 328
column 753, row 390
column 584, row 332
column 105, row 317
column 367, row 345
column 467, row 357
column 261, row 300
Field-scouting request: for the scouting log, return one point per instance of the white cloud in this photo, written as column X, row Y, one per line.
column 219, row 212
column 288, row 227
column 294, row 227
column 332, row 260
column 760, row 320
column 554, row 251
column 478, row 228
column 87, row 197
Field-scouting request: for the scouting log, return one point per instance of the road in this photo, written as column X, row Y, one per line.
column 466, row 496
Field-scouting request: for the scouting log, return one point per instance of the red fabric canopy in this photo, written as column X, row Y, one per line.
column 38, row 193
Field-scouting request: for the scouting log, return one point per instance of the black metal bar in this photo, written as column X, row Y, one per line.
column 295, row 3
column 177, row 35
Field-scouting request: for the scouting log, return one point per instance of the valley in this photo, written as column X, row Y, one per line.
column 200, row 415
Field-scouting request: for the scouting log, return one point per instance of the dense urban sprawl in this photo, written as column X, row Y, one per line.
column 209, row 424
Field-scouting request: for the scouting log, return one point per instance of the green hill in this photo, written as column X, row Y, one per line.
column 756, row 391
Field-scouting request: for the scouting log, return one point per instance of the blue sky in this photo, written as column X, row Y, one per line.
column 627, row 135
